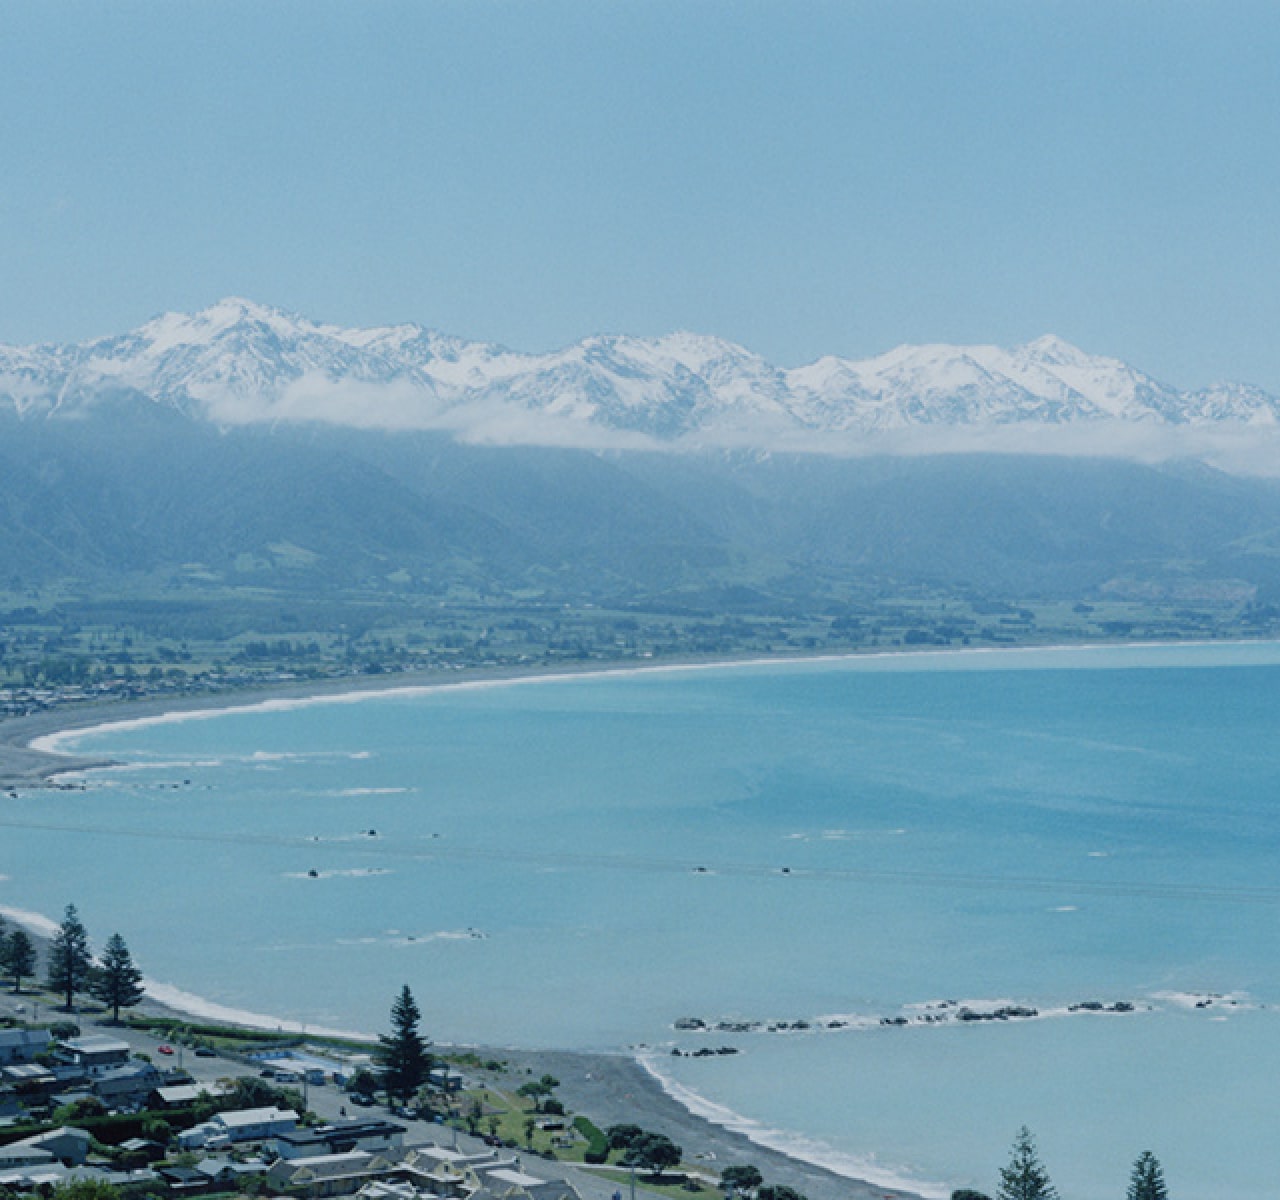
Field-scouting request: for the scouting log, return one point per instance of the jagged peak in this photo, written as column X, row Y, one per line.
column 173, row 329
column 1055, row 349
column 240, row 358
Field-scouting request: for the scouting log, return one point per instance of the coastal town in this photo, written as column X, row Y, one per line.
column 105, row 1093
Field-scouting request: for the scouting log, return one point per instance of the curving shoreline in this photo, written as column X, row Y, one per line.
column 611, row 1088
column 601, row 1080
column 24, row 764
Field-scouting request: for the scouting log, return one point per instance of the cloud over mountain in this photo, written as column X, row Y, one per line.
column 242, row 363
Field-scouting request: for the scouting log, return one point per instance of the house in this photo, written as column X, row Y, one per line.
column 23, row 1045
column 94, row 1053
column 68, row 1146
column 29, row 1078
column 184, row 1181
column 327, row 1174
column 183, row 1095
column 20, row 1156
column 126, row 1086
column 47, row 1175
column 338, row 1137
column 243, row 1125
column 256, row 1124
column 390, row 1189
column 224, row 1174
column 447, row 1172
column 508, row 1183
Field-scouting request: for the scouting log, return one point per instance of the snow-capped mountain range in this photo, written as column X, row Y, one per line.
column 238, row 362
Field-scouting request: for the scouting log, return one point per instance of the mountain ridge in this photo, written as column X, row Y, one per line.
column 240, row 362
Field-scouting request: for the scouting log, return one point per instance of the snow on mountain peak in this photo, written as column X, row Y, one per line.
column 1051, row 348
column 239, row 361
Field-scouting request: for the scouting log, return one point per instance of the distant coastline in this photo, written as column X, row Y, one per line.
column 29, row 757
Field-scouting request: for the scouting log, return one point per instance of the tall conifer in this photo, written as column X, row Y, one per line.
column 1025, row 1177
column 1147, row 1180
column 403, row 1054
column 117, row 982
column 69, row 957
column 17, row 957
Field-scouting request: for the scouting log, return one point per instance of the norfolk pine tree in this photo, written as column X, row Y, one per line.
column 403, row 1054
column 1025, row 1177
column 117, row 982
column 1147, row 1180
column 17, row 957
column 69, row 957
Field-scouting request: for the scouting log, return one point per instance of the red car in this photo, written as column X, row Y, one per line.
column 164, row 1049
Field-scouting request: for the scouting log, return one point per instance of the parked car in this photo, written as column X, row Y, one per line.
column 164, row 1048
column 205, row 1052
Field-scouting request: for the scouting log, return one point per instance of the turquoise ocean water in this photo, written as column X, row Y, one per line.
column 581, row 861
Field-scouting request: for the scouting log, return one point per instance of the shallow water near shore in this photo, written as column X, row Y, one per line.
column 581, row 861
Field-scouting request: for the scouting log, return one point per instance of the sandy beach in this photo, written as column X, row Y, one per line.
column 610, row 1088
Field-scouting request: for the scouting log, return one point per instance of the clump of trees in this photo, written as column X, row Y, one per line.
column 539, row 1091
column 115, row 980
column 651, row 1152
column 747, row 1179
column 741, row 1179
column 779, row 1191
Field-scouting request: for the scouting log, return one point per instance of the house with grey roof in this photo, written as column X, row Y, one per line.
column 242, row 1125
column 69, row 1145
column 183, row 1095
column 327, row 1174
column 126, row 1086
column 19, row 1046
column 337, row 1137
column 93, row 1053
column 19, row 1156
column 510, row 1183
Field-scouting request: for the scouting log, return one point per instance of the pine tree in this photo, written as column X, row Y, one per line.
column 1147, row 1180
column 117, row 982
column 69, row 957
column 1025, row 1177
column 17, row 957
column 404, row 1057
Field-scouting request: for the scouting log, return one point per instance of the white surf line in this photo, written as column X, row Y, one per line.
column 864, row 1169
column 52, row 743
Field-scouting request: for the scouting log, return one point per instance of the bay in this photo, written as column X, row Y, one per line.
column 582, row 861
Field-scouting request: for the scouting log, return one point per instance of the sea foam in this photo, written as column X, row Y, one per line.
column 794, row 1145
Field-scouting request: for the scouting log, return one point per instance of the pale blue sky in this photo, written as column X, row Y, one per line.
column 804, row 178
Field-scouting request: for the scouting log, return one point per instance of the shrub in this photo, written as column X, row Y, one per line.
column 597, row 1150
